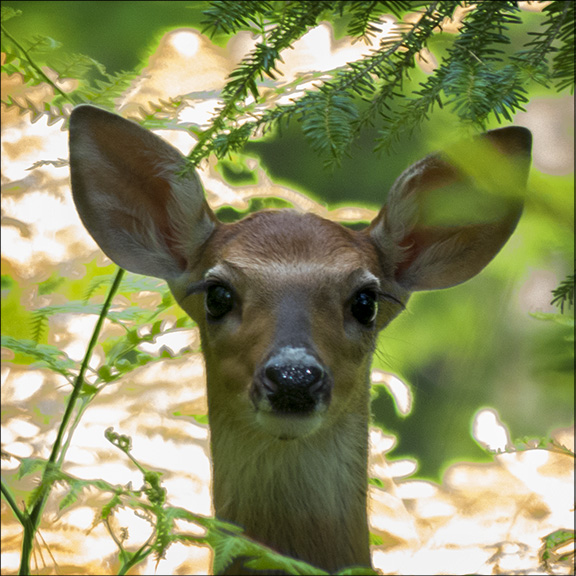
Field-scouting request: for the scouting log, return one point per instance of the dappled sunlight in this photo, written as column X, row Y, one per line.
column 400, row 391
column 485, row 518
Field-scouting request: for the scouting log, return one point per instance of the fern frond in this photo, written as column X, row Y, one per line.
column 105, row 91
column 7, row 13
column 39, row 326
column 76, row 486
column 29, row 466
column 72, row 65
column 52, row 113
column 59, row 163
column 46, row 356
column 41, row 44
column 94, row 284
column 30, row 71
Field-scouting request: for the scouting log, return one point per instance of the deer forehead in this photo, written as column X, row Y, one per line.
column 287, row 246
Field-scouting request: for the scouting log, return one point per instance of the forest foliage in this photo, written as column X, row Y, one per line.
column 480, row 77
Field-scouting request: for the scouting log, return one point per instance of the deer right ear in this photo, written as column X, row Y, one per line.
column 126, row 185
column 448, row 215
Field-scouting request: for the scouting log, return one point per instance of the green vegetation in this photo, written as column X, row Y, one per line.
column 487, row 72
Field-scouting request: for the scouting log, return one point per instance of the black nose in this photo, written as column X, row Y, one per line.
column 298, row 376
column 293, row 387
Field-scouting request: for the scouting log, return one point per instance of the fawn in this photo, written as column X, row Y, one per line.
column 289, row 306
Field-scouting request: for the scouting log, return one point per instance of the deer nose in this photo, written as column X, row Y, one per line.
column 282, row 375
column 294, row 382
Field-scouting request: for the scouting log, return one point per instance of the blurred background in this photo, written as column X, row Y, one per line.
column 477, row 345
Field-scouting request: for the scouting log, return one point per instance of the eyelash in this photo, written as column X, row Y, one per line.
column 384, row 296
column 203, row 285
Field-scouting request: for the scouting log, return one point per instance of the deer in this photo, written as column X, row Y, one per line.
column 289, row 305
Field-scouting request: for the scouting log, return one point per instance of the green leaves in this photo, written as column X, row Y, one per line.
column 7, row 13
column 295, row 20
column 478, row 77
column 42, row 355
column 365, row 20
column 564, row 293
column 230, row 16
column 27, row 58
column 555, row 548
column 554, row 39
column 229, row 546
column 328, row 121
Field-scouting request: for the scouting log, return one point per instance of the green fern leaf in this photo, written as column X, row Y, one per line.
column 71, row 497
column 29, row 466
column 109, row 508
column 46, row 356
column 39, row 326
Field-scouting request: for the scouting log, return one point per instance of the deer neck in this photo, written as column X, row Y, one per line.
column 306, row 497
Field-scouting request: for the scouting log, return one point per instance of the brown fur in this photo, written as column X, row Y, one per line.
column 297, row 483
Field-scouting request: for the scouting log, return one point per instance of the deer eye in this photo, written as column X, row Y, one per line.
column 219, row 301
column 364, row 306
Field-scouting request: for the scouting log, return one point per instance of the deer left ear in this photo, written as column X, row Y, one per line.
column 128, row 190
column 448, row 215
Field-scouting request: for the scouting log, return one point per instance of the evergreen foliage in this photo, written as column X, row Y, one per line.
column 479, row 78
column 564, row 294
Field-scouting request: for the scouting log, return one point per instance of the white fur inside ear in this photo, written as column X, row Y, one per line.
column 446, row 218
column 188, row 213
column 131, row 196
column 400, row 213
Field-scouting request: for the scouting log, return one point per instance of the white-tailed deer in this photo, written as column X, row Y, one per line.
column 289, row 306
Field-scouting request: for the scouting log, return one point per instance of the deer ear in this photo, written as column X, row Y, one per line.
column 448, row 215
column 130, row 196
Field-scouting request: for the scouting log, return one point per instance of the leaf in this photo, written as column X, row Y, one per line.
column 103, row 485
column 59, row 163
column 29, row 466
column 556, row 318
column 71, row 307
column 327, row 123
column 229, row 546
column 201, row 418
column 105, row 373
column 564, row 293
column 71, row 65
column 109, row 508
column 46, row 355
column 552, row 543
column 76, row 487
column 42, row 44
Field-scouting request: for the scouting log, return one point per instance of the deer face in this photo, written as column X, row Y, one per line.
column 289, row 306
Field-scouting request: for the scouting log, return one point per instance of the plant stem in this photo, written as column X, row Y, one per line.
column 31, row 62
column 12, row 503
column 33, row 519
